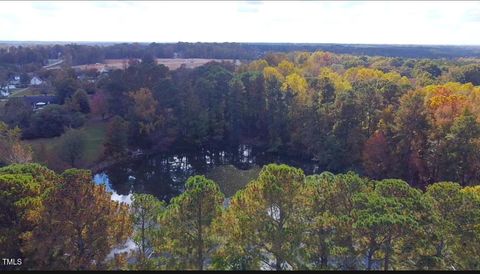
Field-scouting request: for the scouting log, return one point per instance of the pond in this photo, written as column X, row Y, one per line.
column 163, row 175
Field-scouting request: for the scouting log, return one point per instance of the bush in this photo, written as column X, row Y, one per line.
column 51, row 122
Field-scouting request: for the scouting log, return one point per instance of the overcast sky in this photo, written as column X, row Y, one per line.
column 373, row 22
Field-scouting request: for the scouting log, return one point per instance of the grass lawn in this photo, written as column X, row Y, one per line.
column 95, row 131
column 231, row 179
column 45, row 149
column 27, row 92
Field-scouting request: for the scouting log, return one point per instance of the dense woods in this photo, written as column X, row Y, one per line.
column 87, row 53
column 281, row 220
column 397, row 141
column 385, row 118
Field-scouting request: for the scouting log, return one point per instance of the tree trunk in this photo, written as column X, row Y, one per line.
column 278, row 263
column 323, row 251
column 279, row 242
column 371, row 251
column 349, row 261
column 324, row 260
column 369, row 258
column 387, row 252
column 81, row 249
column 439, row 248
column 143, row 239
column 200, row 238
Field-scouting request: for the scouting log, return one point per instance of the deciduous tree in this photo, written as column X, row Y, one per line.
column 79, row 225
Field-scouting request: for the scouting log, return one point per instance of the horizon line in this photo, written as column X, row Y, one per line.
column 227, row 42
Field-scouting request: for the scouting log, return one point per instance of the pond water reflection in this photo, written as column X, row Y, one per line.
column 163, row 175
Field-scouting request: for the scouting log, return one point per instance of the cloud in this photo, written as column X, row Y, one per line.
column 472, row 15
column 246, row 21
column 249, row 6
column 45, row 6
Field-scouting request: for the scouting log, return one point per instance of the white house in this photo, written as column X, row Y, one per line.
column 15, row 80
column 36, row 81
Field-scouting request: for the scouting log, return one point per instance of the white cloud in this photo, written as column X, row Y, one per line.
column 246, row 21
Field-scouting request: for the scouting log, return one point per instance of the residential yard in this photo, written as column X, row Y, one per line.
column 27, row 92
column 46, row 149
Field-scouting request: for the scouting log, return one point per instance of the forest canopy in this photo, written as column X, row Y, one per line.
column 282, row 220
column 396, row 141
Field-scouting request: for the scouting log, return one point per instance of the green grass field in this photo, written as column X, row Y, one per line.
column 231, row 179
column 27, row 92
column 45, row 149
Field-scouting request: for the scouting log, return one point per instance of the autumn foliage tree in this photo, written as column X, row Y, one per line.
column 72, row 147
column 116, row 139
column 99, row 104
column 144, row 116
column 79, row 225
column 376, row 156
column 23, row 188
column 12, row 150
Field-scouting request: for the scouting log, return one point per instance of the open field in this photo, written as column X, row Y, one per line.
column 45, row 149
column 27, row 92
column 171, row 63
column 21, row 92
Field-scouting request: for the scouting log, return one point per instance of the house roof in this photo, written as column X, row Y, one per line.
column 40, row 98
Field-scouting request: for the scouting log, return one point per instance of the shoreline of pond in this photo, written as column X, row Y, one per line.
column 163, row 173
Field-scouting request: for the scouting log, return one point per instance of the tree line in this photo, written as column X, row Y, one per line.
column 78, row 54
column 282, row 220
column 383, row 117
column 365, row 119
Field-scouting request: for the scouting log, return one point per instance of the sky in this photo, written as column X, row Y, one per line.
column 354, row 22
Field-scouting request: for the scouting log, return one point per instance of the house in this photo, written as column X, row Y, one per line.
column 104, row 70
column 13, row 83
column 4, row 92
column 38, row 102
column 36, row 81
column 15, row 80
column 5, row 89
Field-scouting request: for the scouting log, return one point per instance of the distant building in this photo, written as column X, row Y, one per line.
column 12, row 83
column 38, row 102
column 4, row 92
column 6, row 88
column 36, row 81
column 15, row 80
column 104, row 70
